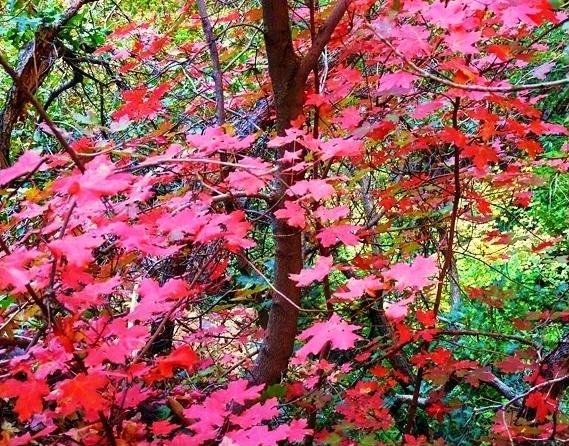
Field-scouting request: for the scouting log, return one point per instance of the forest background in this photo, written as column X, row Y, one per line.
column 242, row 223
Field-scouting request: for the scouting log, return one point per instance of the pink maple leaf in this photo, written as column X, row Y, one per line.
column 398, row 310
column 98, row 180
column 293, row 432
column 212, row 412
column 396, row 83
column 329, row 214
column 445, row 14
column 542, row 70
column 296, row 430
column 293, row 213
column 516, row 12
column 320, row 270
column 415, row 275
column 358, row 287
column 317, row 189
column 335, row 331
column 188, row 221
column 231, row 228
column 27, row 162
column 256, row 436
column 462, row 41
column 256, row 414
column 238, row 391
column 78, row 251
column 245, row 181
column 90, row 295
column 412, row 40
column 340, row 147
column 292, row 135
column 154, row 298
column 350, row 118
column 14, row 269
column 140, row 237
column 171, row 289
column 120, row 343
column 343, row 233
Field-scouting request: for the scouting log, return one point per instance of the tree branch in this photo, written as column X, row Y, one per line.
column 321, row 39
column 43, row 114
column 214, row 55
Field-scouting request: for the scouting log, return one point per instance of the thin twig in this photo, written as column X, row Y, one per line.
column 275, row 290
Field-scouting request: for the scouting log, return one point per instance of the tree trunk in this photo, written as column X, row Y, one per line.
column 281, row 329
column 34, row 64
column 288, row 75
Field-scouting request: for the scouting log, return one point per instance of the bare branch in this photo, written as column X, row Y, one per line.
column 322, row 38
column 214, row 55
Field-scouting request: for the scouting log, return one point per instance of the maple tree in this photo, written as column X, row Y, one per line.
column 264, row 236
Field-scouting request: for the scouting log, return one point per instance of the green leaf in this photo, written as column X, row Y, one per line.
column 274, row 391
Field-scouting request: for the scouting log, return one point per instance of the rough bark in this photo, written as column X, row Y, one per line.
column 34, row 64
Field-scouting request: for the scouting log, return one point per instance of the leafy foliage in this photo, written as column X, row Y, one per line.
column 426, row 181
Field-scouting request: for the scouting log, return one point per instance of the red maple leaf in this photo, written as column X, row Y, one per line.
column 81, row 392
column 141, row 103
column 542, row 404
column 183, row 357
column 511, row 364
column 29, row 394
column 481, row 155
